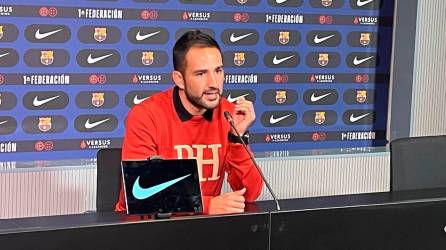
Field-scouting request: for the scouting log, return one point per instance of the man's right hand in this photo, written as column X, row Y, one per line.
column 227, row 203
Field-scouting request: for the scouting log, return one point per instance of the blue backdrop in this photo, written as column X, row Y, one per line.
column 316, row 70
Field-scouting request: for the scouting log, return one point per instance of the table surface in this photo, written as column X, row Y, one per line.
column 261, row 207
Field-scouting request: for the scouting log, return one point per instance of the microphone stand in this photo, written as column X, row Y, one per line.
column 231, row 122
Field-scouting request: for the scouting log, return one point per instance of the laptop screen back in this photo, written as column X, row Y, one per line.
column 162, row 186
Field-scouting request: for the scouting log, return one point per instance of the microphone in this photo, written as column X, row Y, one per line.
column 231, row 122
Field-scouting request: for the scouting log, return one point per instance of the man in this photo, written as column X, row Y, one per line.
column 188, row 122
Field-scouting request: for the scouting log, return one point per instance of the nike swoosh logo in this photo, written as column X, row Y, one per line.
column 5, row 54
column 317, row 98
column 140, row 37
column 137, row 100
column 234, row 38
column 361, row 3
column 355, row 119
column 89, row 125
column 3, row 122
column 280, row 1
column 144, row 193
column 38, row 103
column 279, row 61
column 357, row 61
column 91, row 60
column 273, row 120
column 232, row 99
column 318, row 40
column 39, row 35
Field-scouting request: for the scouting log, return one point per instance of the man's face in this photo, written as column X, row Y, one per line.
column 203, row 79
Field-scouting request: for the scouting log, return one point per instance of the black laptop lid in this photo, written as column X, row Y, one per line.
column 162, row 186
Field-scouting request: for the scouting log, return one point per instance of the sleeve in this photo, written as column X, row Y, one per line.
column 140, row 135
column 139, row 142
column 206, row 201
column 242, row 172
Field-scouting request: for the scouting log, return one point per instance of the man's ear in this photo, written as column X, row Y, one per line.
column 178, row 79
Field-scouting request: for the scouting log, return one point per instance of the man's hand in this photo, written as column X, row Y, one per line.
column 227, row 203
column 244, row 115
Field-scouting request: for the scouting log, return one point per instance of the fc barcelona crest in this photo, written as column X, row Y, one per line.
column 97, row 99
column 284, row 37
column 365, row 39
column 323, row 59
column 100, row 34
column 46, row 57
column 147, row 58
column 44, row 124
column 239, row 58
column 319, row 117
column 361, row 96
column 281, row 96
column 1, row 31
column 327, row 3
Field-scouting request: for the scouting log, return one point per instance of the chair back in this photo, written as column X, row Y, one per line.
column 108, row 178
column 418, row 163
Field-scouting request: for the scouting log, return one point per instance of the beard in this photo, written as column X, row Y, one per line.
column 200, row 101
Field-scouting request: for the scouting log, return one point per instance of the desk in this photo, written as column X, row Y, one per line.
column 395, row 220
column 117, row 231
column 398, row 220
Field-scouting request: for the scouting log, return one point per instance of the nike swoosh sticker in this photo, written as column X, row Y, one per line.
column 137, row 100
column 361, row 3
column 280, row 1
column 317, row 98
column 355, row 119
column 318, row 40
column 281, row 60
column 233, row 99
column 144, row 193
column 40, row 36
column 91, row 60
column 357, row 61
column 89, row 125
column 3, row 122
column 140, row 37
column 234, row 38
column 38, row 103
column 5, row 54
column 273, row 120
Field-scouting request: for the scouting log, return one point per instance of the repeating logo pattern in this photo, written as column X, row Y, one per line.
column 317, row 71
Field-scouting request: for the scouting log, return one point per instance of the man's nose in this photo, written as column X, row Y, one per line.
column 212, row 80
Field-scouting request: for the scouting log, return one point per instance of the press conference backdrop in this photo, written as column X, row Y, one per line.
column 316, row 70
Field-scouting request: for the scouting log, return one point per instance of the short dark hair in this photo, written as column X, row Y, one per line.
column 193, row 38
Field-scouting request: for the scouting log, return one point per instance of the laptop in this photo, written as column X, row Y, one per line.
column 156, row 187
